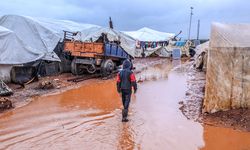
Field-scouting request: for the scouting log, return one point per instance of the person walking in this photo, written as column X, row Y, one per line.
column 125, row 82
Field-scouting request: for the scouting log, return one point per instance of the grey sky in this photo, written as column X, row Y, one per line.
column 163, row 15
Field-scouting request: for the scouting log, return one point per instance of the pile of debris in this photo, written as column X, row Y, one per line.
column 4, row 89
column 5, row 103
column 46, row 85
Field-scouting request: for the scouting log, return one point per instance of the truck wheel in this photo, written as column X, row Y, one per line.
column 107, row 67
column 91, row 68
column 75, row 68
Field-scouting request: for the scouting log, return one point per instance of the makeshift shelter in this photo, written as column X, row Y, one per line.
column 42, row 34
column 201, row 56
column 25, row 39
column 126, row 42
column 228, row 73
column 13, row 51
column 149, row 41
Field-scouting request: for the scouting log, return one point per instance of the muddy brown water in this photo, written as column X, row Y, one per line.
column 90, row 118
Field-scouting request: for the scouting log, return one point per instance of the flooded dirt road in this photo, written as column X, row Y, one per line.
column 90, row 118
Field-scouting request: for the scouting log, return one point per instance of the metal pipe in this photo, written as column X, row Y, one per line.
column 198, row 29
column 190, row 21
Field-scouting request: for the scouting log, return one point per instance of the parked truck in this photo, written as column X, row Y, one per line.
column 100, row 56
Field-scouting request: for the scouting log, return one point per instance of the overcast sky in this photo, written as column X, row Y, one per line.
column 127, row 15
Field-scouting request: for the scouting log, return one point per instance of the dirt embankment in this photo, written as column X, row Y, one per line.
column 237, row 119
column 58, row 83
column 191, row 106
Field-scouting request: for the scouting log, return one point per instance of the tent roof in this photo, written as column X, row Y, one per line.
column 14, row 51
column 230, row 35
column 147, row 34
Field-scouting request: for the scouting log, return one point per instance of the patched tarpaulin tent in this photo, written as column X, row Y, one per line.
column 41, row 34
column 228, row 68
column 14, row 51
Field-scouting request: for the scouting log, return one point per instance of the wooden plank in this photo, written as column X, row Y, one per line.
column 87, row 54
column 75, row 53
column 84, row 49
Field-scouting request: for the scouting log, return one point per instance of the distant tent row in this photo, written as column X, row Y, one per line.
column 149, row 41
column 25, row 39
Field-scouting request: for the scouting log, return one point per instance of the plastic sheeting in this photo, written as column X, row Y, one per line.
column 14, row 51
column 228, row 73
column 127, row 42
column 43, row 34
column 147, row 34
column 201, row 56
column 201, row 48
column 230, row 35
column 5, row 72
column 150, row 35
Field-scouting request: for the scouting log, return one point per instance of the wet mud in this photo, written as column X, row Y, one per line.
column 218, row 138
column 89, row 117
column 191, row 105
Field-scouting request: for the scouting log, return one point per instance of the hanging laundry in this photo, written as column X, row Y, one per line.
column 138, row 44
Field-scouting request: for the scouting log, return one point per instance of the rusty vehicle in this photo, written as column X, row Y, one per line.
column 102, row 55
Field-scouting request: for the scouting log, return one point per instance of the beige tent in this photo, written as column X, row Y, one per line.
column 228, row 68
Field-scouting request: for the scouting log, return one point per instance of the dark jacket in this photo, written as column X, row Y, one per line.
column 126, row 78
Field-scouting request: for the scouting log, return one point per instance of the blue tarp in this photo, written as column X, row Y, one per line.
column 176, row 53
column 180, row 43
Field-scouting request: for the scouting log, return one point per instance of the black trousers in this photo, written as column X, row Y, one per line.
column 126, row 96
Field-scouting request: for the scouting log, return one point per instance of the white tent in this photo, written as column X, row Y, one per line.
column 39, row 33
column 152, row 36
column 147, row 34
column 228, row 73
column 14, row 51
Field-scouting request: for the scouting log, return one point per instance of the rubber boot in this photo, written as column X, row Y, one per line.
column 124, row 115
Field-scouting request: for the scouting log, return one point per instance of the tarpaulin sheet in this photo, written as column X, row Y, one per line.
column 42, row 35
column 228, row 73
column 147, row 34
column 14, row 51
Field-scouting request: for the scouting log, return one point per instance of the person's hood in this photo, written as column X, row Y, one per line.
column 126, row 64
